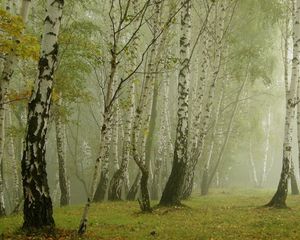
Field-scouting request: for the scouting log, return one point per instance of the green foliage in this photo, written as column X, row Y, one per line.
column 251, row 41
column 12, row 38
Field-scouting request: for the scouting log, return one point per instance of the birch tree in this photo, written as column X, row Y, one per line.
column 279, row 198
column 5, row 78
column 173, row 189
column 37, row 202
column 61, row 154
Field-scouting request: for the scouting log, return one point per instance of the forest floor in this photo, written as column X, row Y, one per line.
column 224, row 214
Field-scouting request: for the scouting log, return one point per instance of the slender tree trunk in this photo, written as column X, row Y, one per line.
column 131, row 196
column 267, row 131
column 204, row 182
column 117, row 181
column 106, row 131
column 37, row 201
column 2, row 136
column 255, row 179
column 11, row 58
column 228, row 132
column 172, row 193
column 16, row 168
column 217, row 63
column 61, row 152
column 279, row 198
column 104, row 156
column 5, row 78
column 152, row 124
column 156, row 187
column 140, row 161
column 108, row 115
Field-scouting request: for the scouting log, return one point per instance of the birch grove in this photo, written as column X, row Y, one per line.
column 153, row 104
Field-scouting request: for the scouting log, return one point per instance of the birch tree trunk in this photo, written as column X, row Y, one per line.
column 255, row 179
column 11, row 59
column 15, row 163
column 279, row 198
column 204, row 182
column 117, row 181
column 2, row 136
column 131, row 196
column 162, row 154
column 37, row 202
column 108, row 115
column 217, row 62
column 61, row 153
column 267, row 131
column 5, row 78
column 294, row 185
column 172, row 193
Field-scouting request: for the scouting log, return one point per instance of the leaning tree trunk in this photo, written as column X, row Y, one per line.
column 131, row 196
column 61, row 152
column 104, row 154
column 140, row 161
column 37, row 202
column 228, row 133
column 172, row 193
column 279, row 198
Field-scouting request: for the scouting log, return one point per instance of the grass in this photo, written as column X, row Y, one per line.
column 228, row 214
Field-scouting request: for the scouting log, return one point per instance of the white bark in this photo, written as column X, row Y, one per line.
column 254, row 172
column 61, row 154
column 173, row 190
column 279, row 199
column 2, row 136
column 15, row 164
column 267, row 146
column 35, row 184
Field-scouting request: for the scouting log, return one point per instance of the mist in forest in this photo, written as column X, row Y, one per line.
column 156, row 104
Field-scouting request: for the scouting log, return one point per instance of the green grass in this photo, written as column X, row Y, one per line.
column 228, row 214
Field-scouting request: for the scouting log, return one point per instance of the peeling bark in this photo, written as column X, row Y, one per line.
column 279, row 198
column 172, row 193
column 37, row 202
column 119, row 177
column 198, row 147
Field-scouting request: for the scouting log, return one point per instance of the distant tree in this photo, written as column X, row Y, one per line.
column 12, row 44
